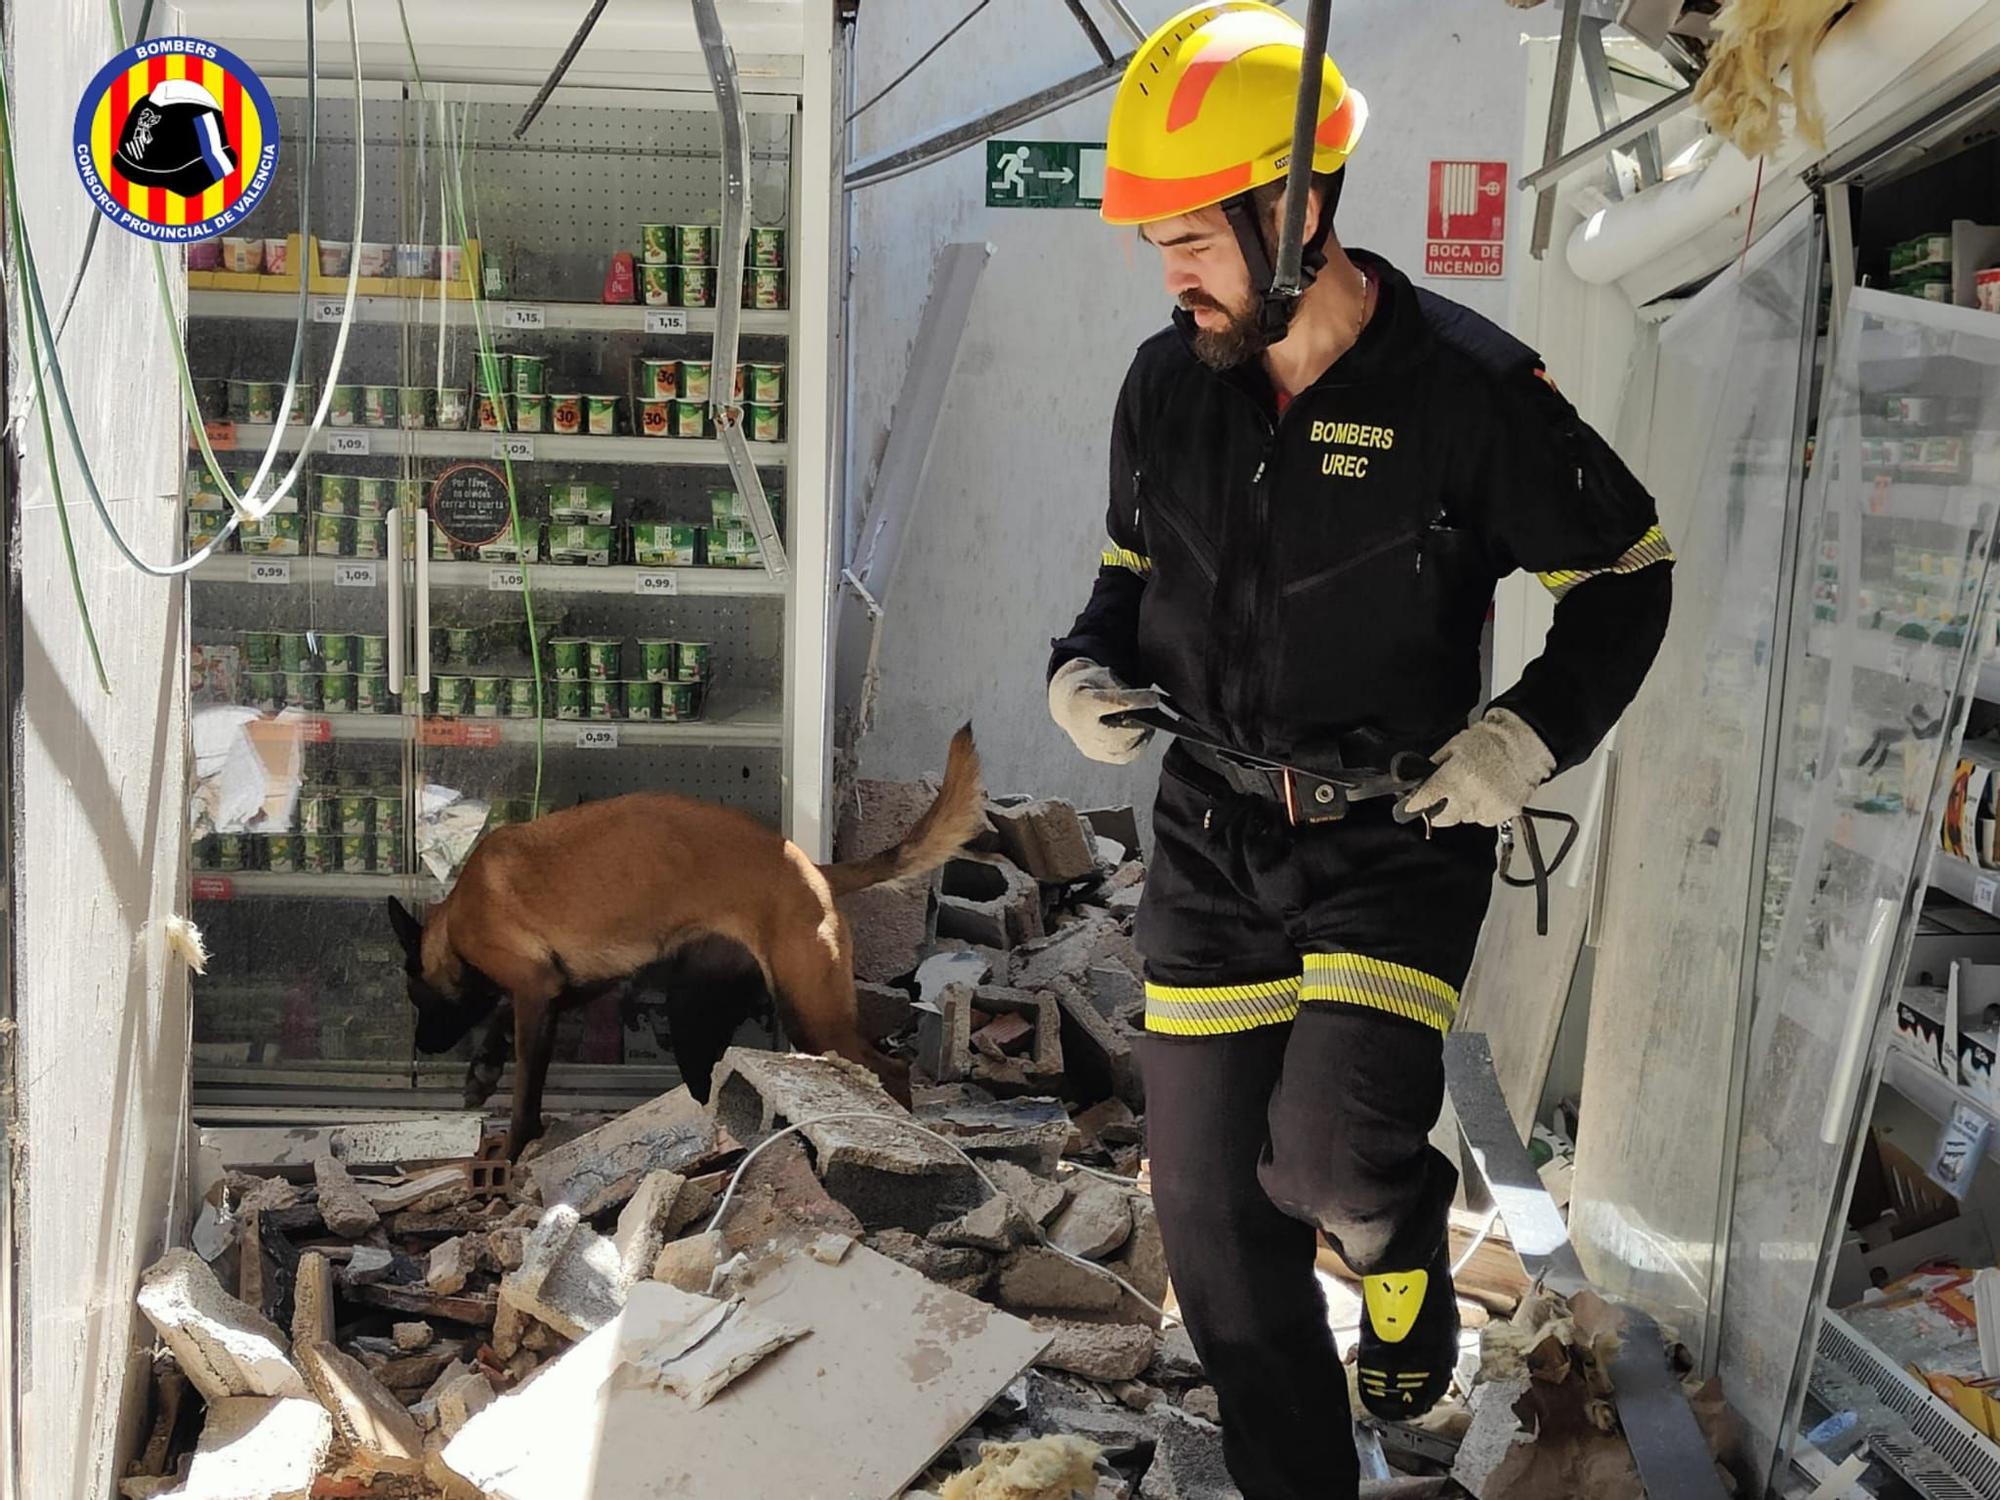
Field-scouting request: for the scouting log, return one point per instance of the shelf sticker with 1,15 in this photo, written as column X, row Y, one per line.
column 176, row 140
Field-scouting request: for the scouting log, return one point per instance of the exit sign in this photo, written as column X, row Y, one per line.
column 1044, row 174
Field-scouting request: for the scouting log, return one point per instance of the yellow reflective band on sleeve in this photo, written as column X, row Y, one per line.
column 1125, row 557
column 1216, row 1010
column 1350, row 979
column 1649, row 549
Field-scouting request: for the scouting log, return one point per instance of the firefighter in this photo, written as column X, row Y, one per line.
column 1310, row 505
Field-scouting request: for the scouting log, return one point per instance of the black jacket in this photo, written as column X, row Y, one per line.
column 1290, row 579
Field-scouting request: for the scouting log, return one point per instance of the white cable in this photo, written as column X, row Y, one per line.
column 1485, row 1231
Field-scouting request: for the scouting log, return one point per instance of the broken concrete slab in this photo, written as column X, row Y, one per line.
column 996, row 1225
column 394, row 1197
column 694, row 1350
column 504, row 1249
column 944, row 1034
column 1030, row 1133
column 1044, row 1057
column 259, row 1448
column 965, row 1270
column 1048, row 1406
column 989, row 900
column 889, row 1175
column 413, row 1337
column 1097, row 1052
column 478, row 1311
column 347, row 1212
column 1068, row 953
column 312, row 1300
column 779, row 1200
column 1097, row 1221
column 890, row 927
column 461, row 1401
column 445, row 1223
column 1033, row 1279
column 1175, row 1361
column 890, row 1354
column 367, row 1265
column 642, row 1230
column 1046, row 838
column 570, row 1277
column 689, row 1264
column 600, row 1170
column 224, row 1348
column 884, row 1010
column 1118, row 993
column 1109, row 1122
column 1142, row 1262
column 366, row 1415
column 1119, row 823
column 940, row 971
column 1038, row 1197
column 1103, row 1352
column 1188, row 1463
column 451, row 1265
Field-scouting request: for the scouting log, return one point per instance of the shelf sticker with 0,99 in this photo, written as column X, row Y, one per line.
column 176, row 140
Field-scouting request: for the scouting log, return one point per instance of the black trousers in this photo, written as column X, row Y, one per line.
column 1299, row 985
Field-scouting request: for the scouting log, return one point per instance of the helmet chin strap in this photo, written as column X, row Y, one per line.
column 1274, row 309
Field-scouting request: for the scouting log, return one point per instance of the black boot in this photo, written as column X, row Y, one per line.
column 1409, row 1339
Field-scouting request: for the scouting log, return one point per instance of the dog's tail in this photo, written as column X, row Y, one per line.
column 947, row 825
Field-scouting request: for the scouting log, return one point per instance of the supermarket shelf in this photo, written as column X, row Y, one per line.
column 1940, row 1452
column 234, row 567
column 582, row 317
column 1929, row 1090
column 400, row 442
column 1976, row 888
column 1987, row 689
column 752, row 725
column 1873, row 650
column 216, row 885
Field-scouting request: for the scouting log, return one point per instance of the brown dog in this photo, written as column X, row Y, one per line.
column 577, row 900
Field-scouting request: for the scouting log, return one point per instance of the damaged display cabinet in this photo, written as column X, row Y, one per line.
column 385, row 668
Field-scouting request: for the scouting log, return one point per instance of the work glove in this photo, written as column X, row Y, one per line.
column 1082, row 695
column 1485, row 774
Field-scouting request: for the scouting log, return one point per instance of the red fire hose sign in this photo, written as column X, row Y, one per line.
column 1465, row 230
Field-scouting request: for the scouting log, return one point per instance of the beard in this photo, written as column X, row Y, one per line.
column 1237, row 341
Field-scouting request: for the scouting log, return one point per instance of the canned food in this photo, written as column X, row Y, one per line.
column 566, row 413
column 680, row 700
column 253, row 400
column 531, row 413
column 388, row 851
column 603, row 416
column 572, row 699
column 243, row 256
column 493, row 374
column 204, row 854
column 357, row 812
column 697, row 286
column 696, row 379
column 378, row 405
column 302, row 403
column 691, row 663
column 277, row 254
column 694, row 244
column 372, row 652
column 319, row 812
column 657, row 285
column 294, row 650
column 260, row 649
column 454, row 697
column 345, row 409
column 371, row 693
column 449, row 407
column 642, row 699
column 605, row 700
column 266, row 690
column 765, row 290
column 232, row 851
column 732, row 547
column 389, row 813
column 462, row 643
column 765, row 385
column 571, row 655
column 333, row 535
column 373, row 495
column 521, row 698
column 661, row 659
column 204, row 526
column 336, row 494
column 660, row 378
column 414, row 405
column 337, row 652
column 588, row 546
column 204, row 489
column 513, row 548
column 281, row 853
column 492, row 413
column 580, row 504
column 658, row 544
column 765, row 423
column 302, row 689
column 767, row 248
column 337, row 692
column 354, row 851
column 690, row 419
column 531, row 373
column 603, row 657
column 319, row 853
column 280, row 534
column 727, row 508
column 371, row 538
column 486, row 696
column 655, row 418
column 656, row 244
column 211, row 398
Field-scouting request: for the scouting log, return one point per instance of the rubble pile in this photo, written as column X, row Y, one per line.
column 871, row 1308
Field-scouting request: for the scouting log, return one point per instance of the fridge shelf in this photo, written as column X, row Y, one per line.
column 1938, row 1450
column 431, row 442
column 232, row 885
column 547, row 578
column 581, row 317
column 752, row 725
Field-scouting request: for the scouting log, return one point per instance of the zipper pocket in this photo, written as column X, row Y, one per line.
column 1314, row 580
column 1180, row 530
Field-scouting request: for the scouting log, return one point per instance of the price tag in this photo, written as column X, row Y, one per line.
column 597, row 737
column 221, row 435
column 271, row 570
column 504, row 580
column 213, row 888
column 317, row 730
column 662, row 320
column 656, row 585
column 1984, row 889
column 357, row 575
column 522, row 315
column 518, row 448
column 1961, row 1147
column 328, row 309
column 481, row 735
column 349, row 444
column 440, row 732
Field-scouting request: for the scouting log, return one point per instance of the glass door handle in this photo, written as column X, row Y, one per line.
column 396, row 622
column 423, row 600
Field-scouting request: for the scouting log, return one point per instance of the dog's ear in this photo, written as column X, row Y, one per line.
column 409, row 931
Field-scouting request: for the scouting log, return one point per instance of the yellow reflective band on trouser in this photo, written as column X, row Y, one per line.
column 1649, row 549
column 1216, row 1010
column 1350, row 979
column 1126, row 558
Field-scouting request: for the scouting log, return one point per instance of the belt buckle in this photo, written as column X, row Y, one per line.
column 1309, row 799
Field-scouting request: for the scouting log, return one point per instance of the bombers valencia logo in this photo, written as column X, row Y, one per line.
column 176, row 140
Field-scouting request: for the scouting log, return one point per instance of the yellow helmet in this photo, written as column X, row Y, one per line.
column 1205, row 112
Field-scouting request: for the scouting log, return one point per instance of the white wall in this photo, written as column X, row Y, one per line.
column 1004, row 550
column 102, row 1041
